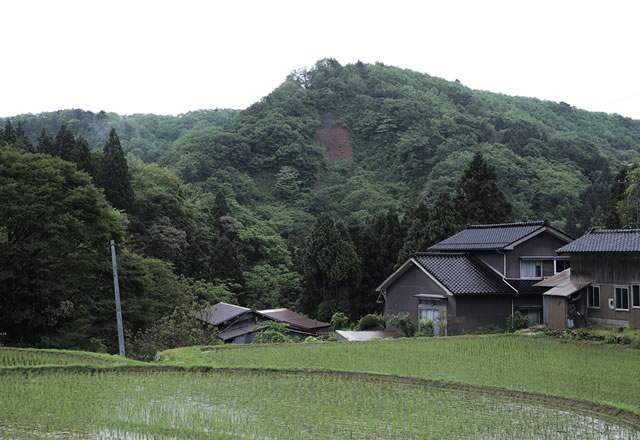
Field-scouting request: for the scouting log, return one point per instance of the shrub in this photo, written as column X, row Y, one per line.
column 403, row 322
column 425, row 327
column 610, row 339
column 339, row 321
column 486, row 330
column 180, row 329
column 272, row 333
column 517, row 321
column 371, row 322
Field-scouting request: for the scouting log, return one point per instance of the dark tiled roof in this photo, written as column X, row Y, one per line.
column 605, row 240
column 463, row 274
column 220, row 313
column 292, row 318
column 487, row 237
column 526, row 286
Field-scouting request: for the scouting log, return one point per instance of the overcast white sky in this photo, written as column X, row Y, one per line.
column 170, row 57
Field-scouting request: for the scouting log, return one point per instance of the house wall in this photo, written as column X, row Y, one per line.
column 608, row 270
column 492, row 259
column 399, row 295
column 607, row 316
column 474, row 311
column 542, row 245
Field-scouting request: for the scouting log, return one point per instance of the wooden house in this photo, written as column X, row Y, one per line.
column 478, row 277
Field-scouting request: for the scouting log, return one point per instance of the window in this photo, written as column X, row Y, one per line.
column 593, row 297
column 635, row 296
column 562, row 265
column 622, row 298
column 530, row 269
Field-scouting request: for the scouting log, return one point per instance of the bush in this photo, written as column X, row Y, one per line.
column 425, row 328
column 403, row 322
column 610, row 339
column 339, row 321
column 486, row 330
column 371, row 322
column 272, row 333
column 180, row 329
column 517, row 321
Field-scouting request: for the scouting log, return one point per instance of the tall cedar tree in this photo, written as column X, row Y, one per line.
column 480, row 201
column 331, row 269
column 429, row 224
column 378, row 242
column 113, row 175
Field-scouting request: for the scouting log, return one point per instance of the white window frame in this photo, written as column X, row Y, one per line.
column 615, row 298
column 529, row 260
column 633, row 304
column 555, row 264
column 590, row 293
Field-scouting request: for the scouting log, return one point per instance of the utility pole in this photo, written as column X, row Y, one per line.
column 116, row 288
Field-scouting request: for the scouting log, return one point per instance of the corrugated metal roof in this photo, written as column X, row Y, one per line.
column 293, row 318
column 220, row 313
column 234, row 331
column 605, row 240
column 463, row 273
column 366, row 335
column 487, row 237
column 561, row 284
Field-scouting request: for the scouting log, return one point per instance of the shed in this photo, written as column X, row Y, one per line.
column 563, row 304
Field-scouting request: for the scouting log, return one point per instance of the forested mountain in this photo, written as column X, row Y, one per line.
column 306, row 199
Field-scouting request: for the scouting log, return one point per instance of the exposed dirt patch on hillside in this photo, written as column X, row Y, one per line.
column 334, row 139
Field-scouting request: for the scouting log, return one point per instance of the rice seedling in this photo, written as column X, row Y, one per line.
column 266, row 405
column 600, row 373
column 29, row 357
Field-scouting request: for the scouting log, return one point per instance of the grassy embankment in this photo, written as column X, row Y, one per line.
column 606, row 374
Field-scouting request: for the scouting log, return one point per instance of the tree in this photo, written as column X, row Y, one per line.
column 55, row 228
column 378, row 243
column 429, row 224
column 113, row 175
column 480, row 200
column 331, row 268
column 270, row 287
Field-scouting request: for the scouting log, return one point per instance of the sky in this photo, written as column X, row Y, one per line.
column 170, row 57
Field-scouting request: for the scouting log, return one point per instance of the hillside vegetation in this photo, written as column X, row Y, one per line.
column 307, row 199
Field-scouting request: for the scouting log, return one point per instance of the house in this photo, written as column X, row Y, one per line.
column 239, row 325
column 605, row 266
column 477, row 277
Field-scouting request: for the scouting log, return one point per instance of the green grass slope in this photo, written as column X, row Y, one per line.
column 599, row 373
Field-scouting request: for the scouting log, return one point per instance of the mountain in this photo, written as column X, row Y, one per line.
column 307, row 199
column 359, row 138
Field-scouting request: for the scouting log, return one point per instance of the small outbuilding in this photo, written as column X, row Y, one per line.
column 564, row 304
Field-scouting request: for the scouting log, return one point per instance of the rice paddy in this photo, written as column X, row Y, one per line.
column 270, row 405
column 420, row 388
column 601, row 373
column 29, row 357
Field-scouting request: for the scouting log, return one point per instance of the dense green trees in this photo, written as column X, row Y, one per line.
column 55, row 227
column 253, row 206
column 479, row 198
column 113, row 174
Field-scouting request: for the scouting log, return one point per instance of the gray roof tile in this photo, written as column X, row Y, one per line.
column 463, row 273
column 487, row 237
column 605, row 240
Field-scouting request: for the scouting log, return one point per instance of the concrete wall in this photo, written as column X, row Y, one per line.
column 606, row 316
column 399, row 295
column 542, row 245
